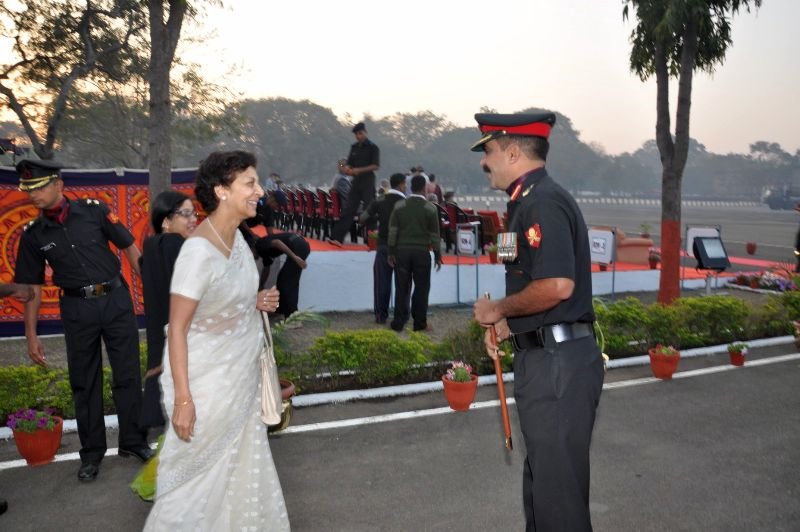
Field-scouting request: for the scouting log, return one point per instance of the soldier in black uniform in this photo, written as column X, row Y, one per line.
column 72, row 237
column 548, row 314
column 362, row 162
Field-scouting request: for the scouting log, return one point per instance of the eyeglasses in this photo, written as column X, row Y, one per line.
column 187, row 213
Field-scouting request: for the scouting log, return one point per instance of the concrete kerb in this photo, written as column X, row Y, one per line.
column 425, row 387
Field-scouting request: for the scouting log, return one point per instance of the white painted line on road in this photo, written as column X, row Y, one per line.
column 66, row 457
column 312, row 427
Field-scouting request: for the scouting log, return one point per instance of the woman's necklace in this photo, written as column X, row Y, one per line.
column 220, row 238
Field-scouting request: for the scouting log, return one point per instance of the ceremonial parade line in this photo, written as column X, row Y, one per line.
column 412, row 414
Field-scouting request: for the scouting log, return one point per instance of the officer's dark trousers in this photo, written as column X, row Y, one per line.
column 362, row 191
column 413, row 265
column 557, row 389
column 86, row 321
column 288, row 282
column 382, row 279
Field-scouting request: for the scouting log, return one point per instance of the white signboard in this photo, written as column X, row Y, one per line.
column 467, row 241
column 694, row 232
column 601, row 245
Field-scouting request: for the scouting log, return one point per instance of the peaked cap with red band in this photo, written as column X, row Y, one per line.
column 35, row 174
column 526, row 125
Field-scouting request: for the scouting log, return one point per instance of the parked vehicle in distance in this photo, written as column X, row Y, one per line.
column 786, row 197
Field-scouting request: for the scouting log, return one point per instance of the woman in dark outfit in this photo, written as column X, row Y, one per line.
column 173, row 218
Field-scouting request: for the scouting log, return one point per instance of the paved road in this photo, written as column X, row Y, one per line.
column 717, row 451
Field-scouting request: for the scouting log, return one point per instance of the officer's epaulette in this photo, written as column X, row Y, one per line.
column 29, row 224
column 91, row 201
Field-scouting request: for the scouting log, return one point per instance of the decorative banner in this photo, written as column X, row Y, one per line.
column 125, row 194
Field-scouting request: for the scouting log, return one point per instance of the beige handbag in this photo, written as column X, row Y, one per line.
column 271, row 404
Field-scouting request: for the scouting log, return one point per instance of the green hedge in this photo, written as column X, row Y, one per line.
column 363, row 358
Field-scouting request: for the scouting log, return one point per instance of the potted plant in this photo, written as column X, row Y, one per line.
column 37, row 434
column 491, row 250
column 664, row 361
column 750, row 247
column 653, row 258
column 460, row 385
column 737, row 351
column 645, row 230
column 741, row 279
column 372, row 239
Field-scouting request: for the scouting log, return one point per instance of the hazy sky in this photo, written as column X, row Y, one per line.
column 453, row 57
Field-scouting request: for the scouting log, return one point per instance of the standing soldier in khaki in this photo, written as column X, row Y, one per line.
column 72, row 237
column 548, row 314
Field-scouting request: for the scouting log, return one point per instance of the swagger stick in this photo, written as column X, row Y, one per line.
column 501, row 388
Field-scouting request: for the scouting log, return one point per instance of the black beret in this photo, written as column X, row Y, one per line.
column 359, row 127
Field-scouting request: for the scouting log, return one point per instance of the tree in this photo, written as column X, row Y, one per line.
column 56, row 46
column 164, row 36
column 108, row 126
column 673, row 38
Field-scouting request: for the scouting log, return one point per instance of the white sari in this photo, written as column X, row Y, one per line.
column 224, row 478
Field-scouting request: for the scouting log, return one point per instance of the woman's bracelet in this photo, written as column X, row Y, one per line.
column 186, row 402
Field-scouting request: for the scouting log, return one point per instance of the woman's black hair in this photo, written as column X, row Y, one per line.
column 219, row 169
column 165, row 206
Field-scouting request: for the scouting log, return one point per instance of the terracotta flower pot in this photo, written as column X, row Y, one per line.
column 750, row 247
column 754, row 283
column 663, row 366
column 39, row 447
column 287, row 388
column 460, row 394
column 493, row 257
column 603, row 267
column 653, row 264
column 372, row 243
column 737, row 358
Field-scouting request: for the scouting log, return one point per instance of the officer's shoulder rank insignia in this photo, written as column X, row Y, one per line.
column 534, row 235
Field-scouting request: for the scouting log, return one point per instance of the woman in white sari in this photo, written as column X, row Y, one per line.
column 215, row 468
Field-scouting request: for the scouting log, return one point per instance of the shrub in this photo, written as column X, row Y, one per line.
column 664, row 326
column 769, row 319
column 623, row 324
column 711, row 319
column 374, row 355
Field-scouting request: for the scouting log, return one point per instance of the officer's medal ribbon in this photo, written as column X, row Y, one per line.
column 506, row 247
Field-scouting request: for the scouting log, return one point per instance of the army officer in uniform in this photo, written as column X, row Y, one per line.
column 548, row 314
column 72, row 237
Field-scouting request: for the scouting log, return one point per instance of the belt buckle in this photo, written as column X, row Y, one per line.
column 100, row 290
column 92, row 291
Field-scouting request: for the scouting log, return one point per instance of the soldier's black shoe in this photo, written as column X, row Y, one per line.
column 88, row 472
column 3, row 506
column 142, row 452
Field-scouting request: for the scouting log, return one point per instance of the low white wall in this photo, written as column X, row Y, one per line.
column 342, row 280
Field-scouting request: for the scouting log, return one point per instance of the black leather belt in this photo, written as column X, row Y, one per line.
column 560, row 332
column 93, row 290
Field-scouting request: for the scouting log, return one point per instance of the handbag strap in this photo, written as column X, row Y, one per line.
column 267, row 334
